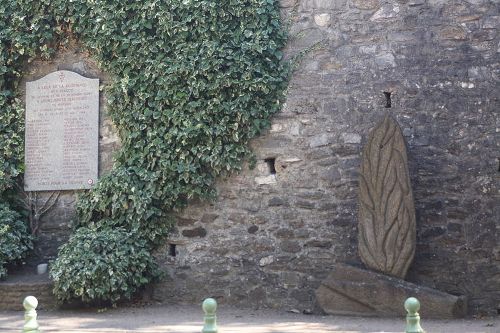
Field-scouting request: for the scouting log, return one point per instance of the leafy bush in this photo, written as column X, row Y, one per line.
column 124, row 206
column 15, row 238
column 102, row 265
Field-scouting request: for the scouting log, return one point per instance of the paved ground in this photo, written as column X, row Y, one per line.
column 188, row 319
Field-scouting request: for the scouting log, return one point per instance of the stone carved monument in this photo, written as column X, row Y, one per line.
column 387, row 228
column 62, row 129
column 387, row 239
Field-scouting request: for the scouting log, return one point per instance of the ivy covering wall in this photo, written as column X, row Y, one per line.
column 194, row 81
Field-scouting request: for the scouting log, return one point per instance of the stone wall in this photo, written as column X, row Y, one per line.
column 274, row 231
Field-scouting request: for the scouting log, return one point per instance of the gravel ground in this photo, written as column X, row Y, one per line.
column 188, row 319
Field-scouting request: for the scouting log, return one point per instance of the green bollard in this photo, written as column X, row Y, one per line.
column 30, row 324
column 210, row 319
column 412, row 305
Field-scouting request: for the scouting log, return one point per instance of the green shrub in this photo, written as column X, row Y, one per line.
column 98, row 265
column 15, row 238
column 122, row 203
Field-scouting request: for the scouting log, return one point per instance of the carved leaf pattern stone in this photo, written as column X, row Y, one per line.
column 387, row 227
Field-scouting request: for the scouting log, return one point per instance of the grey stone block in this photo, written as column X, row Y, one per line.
column 353, row 291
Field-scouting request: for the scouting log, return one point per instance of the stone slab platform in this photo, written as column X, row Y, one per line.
column 352, row 291
column 17, row 287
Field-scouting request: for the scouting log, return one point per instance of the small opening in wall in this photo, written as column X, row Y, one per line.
column 271, row 164
column 388, row 102
column 172, row 250
column 498, row 159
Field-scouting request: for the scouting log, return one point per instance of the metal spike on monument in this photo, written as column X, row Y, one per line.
column 30, row 323
column 412, row 306
column 387, row 225
column 210, row 319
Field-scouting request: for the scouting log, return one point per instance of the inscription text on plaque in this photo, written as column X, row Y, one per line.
column 62, row 129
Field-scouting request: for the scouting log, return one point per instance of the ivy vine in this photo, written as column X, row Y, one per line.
column 195, row 80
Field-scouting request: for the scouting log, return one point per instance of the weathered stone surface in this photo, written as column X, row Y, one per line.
column 353, row 291
column 253, row 229
column 266, row 180
column 385, row 60
column 276, row 201
column 319, row 141
column 386, row 12
column 15, row 289
column 318, row 243
column 322, row 19
column 351, row 138
column 387, row 225
column 366, row 4
column 196, row 232
column 266, row 261
column 61, row 138
column 453, row 33
column 208, row 217
column 323, row 4
column 290, row 246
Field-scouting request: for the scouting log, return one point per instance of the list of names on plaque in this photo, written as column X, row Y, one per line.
column 62, row 128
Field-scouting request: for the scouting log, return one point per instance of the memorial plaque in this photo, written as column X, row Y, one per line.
column 62, row 129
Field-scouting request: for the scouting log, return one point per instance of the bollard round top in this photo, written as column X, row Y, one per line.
column 412, row 305
column 30, row 303
column 209, row 306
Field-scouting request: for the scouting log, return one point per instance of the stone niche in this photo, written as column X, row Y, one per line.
column 55, row 225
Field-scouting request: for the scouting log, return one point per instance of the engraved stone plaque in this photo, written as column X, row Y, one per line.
column 62, row 129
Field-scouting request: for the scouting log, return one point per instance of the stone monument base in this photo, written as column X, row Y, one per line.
column 352, row 291
column 16, row 287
